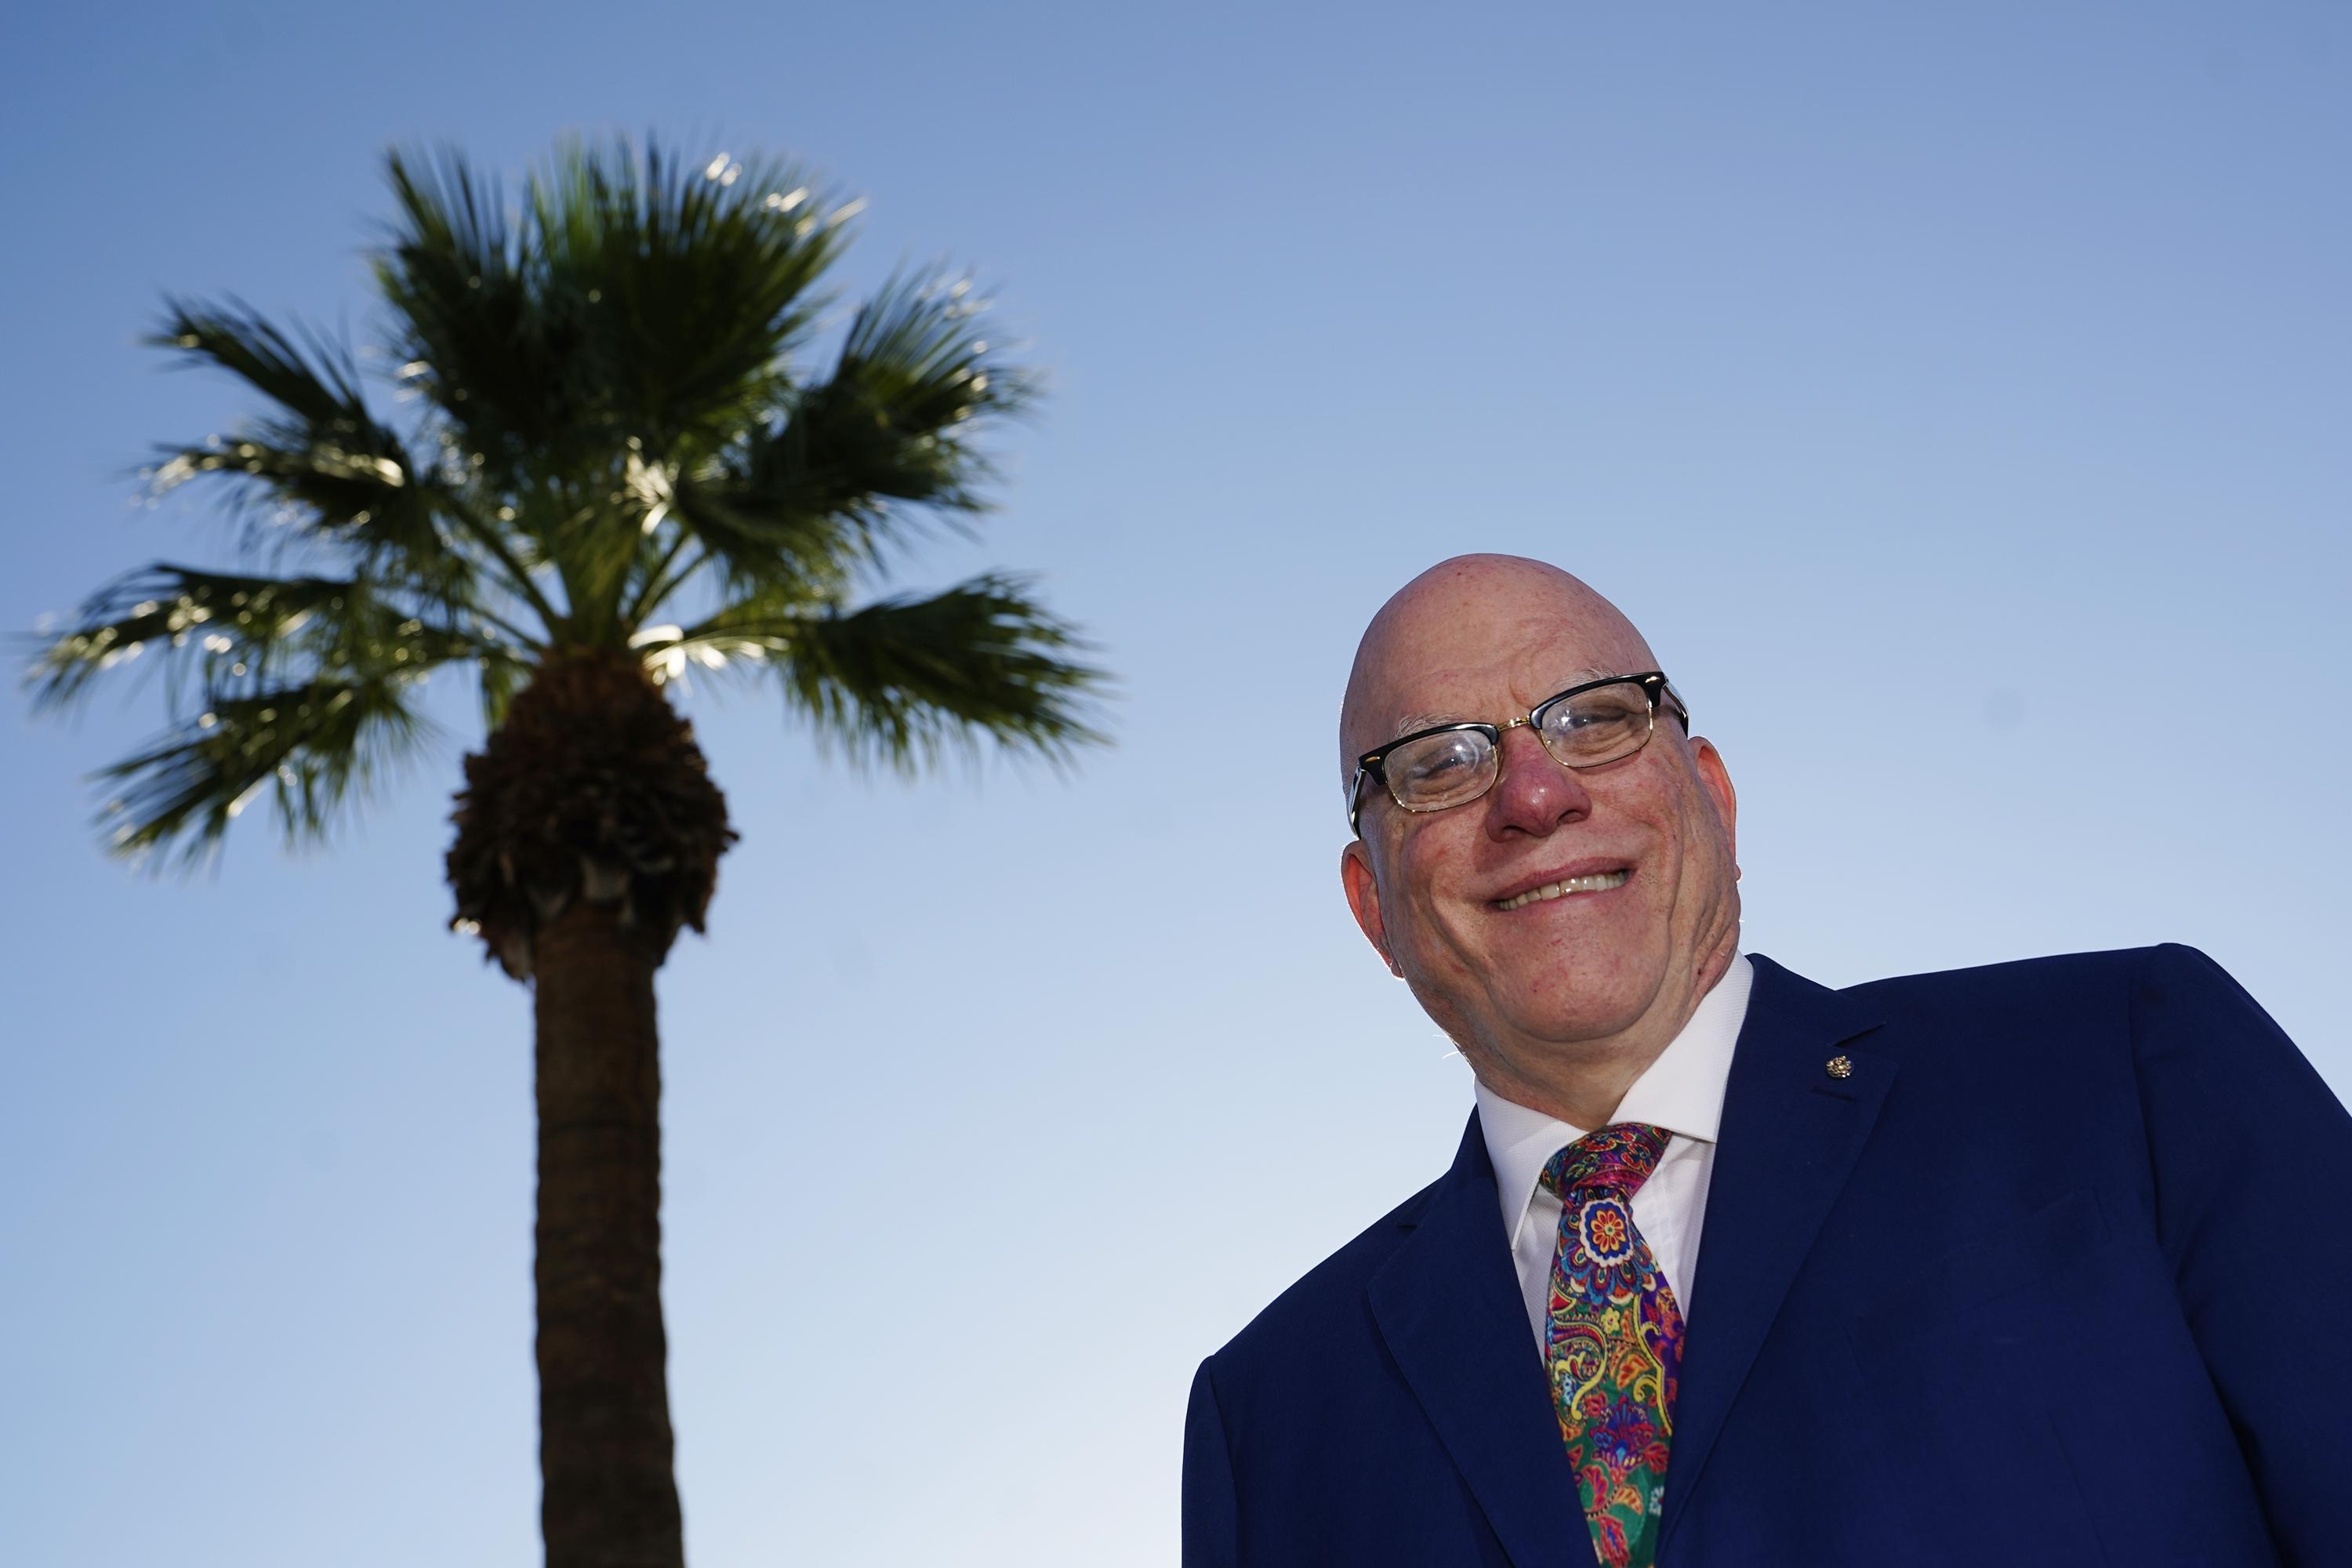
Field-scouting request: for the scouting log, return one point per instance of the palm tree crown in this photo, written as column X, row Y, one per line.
column 606, row 423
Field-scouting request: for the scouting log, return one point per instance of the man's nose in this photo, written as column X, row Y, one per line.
column 1533, row 793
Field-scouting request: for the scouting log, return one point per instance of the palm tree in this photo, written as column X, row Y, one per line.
column 604, row 467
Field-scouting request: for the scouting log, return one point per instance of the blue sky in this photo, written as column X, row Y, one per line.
column 1955, row 394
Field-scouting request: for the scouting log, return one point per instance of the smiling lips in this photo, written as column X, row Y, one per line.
column 1598, row 882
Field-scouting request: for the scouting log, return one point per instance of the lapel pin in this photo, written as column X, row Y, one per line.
column 1841, row 1066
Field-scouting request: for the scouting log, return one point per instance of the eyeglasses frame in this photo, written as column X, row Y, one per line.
column 1654, row 685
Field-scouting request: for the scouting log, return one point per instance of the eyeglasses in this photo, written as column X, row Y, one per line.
column 1584, row 727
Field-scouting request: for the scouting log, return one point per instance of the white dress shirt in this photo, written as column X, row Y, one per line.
column 1682, row 1091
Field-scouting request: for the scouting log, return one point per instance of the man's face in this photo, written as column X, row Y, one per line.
column 1650, row 916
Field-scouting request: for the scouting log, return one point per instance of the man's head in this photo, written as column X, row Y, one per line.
column 1546, row 987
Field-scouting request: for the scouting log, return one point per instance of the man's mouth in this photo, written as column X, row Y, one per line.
column 1598, row 882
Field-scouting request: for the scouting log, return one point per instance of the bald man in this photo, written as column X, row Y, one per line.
column 2031, row 1264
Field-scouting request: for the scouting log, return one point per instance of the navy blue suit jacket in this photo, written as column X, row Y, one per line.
column 2060, row 1273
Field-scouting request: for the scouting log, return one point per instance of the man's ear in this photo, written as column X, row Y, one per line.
column 1718, row 780
column 1364, row 898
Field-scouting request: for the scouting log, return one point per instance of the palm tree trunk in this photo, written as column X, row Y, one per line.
column 610, row 1498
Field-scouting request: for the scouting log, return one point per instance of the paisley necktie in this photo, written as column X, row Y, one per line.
column 1614, row 1341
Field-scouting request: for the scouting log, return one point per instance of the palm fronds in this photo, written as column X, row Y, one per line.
column 314, row 747
column 595, row 414
column 318, row 454
column 907, row 678
column 871, row 452
column 301, row 682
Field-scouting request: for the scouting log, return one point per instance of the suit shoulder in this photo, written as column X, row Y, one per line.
column 1329, row 1292
column 2034, row 982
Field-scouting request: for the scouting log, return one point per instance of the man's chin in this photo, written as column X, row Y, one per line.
column 1578, row 1023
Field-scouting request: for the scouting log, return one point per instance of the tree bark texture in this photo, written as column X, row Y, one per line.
column 606, row 1446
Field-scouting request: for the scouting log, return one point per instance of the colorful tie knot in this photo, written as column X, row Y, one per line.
column 1615, row 1160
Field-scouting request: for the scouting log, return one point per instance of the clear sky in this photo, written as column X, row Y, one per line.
column 1957, row 395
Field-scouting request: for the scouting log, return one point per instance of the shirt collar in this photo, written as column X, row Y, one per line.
column 1682, row 1091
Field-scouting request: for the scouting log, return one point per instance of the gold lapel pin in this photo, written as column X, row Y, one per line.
column 1841, row 1066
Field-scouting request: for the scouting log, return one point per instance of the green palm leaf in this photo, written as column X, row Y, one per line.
column 868, row 457
column 238, row 633
column 320, row 454
column 905, row 679
column 302, row 684
column 314, row 747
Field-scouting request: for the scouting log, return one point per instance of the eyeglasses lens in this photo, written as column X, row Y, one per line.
column 1439, row 771
column 1595, row 727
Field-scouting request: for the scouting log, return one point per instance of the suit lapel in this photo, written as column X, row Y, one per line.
column 1448, row 1307
column 1790, row 1135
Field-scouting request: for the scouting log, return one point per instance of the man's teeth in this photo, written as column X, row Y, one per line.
column 1600, row 883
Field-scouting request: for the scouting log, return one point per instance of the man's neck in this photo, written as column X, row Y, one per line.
column 1584, row 1098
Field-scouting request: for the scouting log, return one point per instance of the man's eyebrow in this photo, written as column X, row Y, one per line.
column 1413, row 722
